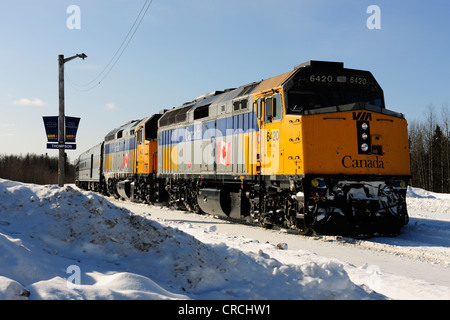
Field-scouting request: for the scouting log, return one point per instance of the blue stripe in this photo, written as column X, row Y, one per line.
column 241, row 123
column 120, row 146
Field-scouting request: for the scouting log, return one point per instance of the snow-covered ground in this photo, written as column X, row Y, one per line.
column 63, row 243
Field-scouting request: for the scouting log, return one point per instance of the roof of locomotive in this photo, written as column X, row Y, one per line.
column 181, row 114
column 127, row 128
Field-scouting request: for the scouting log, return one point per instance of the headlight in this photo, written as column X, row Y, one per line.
column 401, row 184
column 364, row 147
column 315, row 183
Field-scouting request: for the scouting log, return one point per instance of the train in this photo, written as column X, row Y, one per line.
column 314, row 149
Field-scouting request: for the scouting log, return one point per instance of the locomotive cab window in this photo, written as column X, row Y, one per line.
column 317, row 91
column 268, row 110
column 258, row 108
column 301, row 100
column 367, row 97
column 140, row 136
column 273, row 109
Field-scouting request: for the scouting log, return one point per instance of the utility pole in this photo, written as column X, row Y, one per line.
column 61, row 116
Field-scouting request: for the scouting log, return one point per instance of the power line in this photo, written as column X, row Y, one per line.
column 119, row 52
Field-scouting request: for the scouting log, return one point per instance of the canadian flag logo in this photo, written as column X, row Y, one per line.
column 224, row 153
column 126, row 159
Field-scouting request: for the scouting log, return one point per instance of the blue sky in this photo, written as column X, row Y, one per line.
column 184, row 49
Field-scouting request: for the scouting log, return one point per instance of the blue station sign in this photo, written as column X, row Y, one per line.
column 71, row 128
column 61, row 146
column 51, row 129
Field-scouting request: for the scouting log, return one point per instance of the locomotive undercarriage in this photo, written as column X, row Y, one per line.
column 329, row 206
column 182, row 194
column 308, row 205
column 359, row 207
column 141, row 188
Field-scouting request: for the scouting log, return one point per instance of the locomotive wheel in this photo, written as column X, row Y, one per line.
column 266, row 225
column 303, row 229
column 197, row 209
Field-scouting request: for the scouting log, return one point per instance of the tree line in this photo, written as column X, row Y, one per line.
column 429, row 142
column 32, row 168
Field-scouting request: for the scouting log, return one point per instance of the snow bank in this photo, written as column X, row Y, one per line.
column 420, row 202
column 60, row 243
column 422, row 194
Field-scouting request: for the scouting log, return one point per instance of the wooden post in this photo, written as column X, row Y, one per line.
column 61, row 117
column 61, row 122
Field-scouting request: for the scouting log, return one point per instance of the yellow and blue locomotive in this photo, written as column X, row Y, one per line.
column 313, row 149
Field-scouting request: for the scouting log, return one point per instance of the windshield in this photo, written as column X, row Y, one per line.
column 300, row 100
column 314, row 92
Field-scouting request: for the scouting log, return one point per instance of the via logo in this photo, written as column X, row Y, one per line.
column 362, row 116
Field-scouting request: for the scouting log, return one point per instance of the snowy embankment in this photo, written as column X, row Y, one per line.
column 61, row 243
